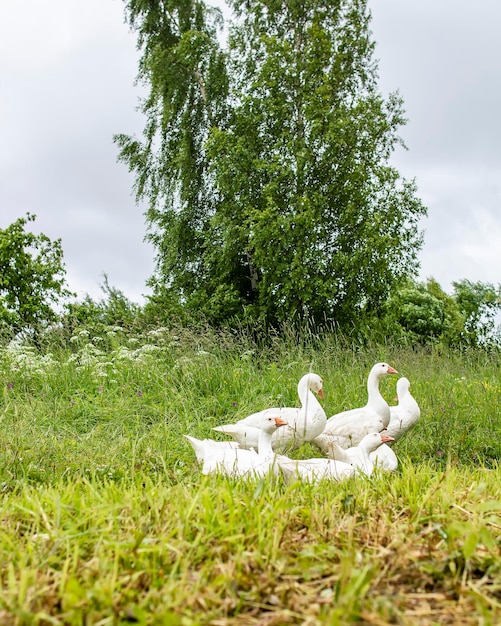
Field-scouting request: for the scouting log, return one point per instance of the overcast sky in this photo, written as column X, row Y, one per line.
column 67, row 70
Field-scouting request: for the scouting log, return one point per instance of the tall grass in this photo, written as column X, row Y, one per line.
column 106, row 518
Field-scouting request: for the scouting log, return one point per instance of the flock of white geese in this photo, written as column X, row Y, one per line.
column 351, row 442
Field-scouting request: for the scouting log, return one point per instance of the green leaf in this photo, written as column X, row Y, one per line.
column 470, row 544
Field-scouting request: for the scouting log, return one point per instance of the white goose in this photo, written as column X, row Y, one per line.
column 407, row 412
column 303, row 424
column 352, row 425
column 360, row 455
column 313, row 470
column 402, row 418
column 235, row 461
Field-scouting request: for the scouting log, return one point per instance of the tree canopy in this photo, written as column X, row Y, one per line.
column 266, row 164
column 32, row 278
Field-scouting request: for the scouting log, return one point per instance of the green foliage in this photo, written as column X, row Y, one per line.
column 32, row 278
column 420, row 313
column 479, row 303
column 115, row 309
column 267, row 166
column 104, row 320
column 423, row 313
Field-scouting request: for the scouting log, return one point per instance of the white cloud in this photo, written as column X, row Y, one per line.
column 67, row 86
column 445, row 59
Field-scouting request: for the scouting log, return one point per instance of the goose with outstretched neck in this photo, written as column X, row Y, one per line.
column 302, row 423
column 349, row 427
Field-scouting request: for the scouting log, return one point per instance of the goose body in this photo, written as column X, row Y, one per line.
column 201, row 446
column 235, row 461
column 302, row 424
column 403, row 417
column 360, row 455
column 246, row 437
column 406, row 413
column 326, row 441
column 313, row 470
column 384, row 458
column 352, row 425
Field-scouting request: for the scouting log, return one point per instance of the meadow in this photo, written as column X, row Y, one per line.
column 106, row 518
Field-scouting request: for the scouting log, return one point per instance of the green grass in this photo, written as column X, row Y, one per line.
column 106, row 519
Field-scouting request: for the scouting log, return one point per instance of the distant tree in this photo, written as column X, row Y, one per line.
column 454, row 319
column 419, row 313
column 115, row 309
column 479, row 303
column 267, row 168
column 32, row 278
column 422, row 312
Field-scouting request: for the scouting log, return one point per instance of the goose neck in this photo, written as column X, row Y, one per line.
column 310, row 406
column 372, row 384
column 264, row 447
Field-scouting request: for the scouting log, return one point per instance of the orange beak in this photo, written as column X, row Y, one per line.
column 321, row 393
column 391, row 370
column 280, row 422
column 386, row 438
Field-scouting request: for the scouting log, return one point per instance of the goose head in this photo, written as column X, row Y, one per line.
column 270, row 424
column 372, row 441
column 381, row 369
column 313, row 382
column 403, row 386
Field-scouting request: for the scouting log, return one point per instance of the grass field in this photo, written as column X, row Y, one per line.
column 106, row 518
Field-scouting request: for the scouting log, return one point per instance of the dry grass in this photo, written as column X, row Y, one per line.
column 419, row 547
